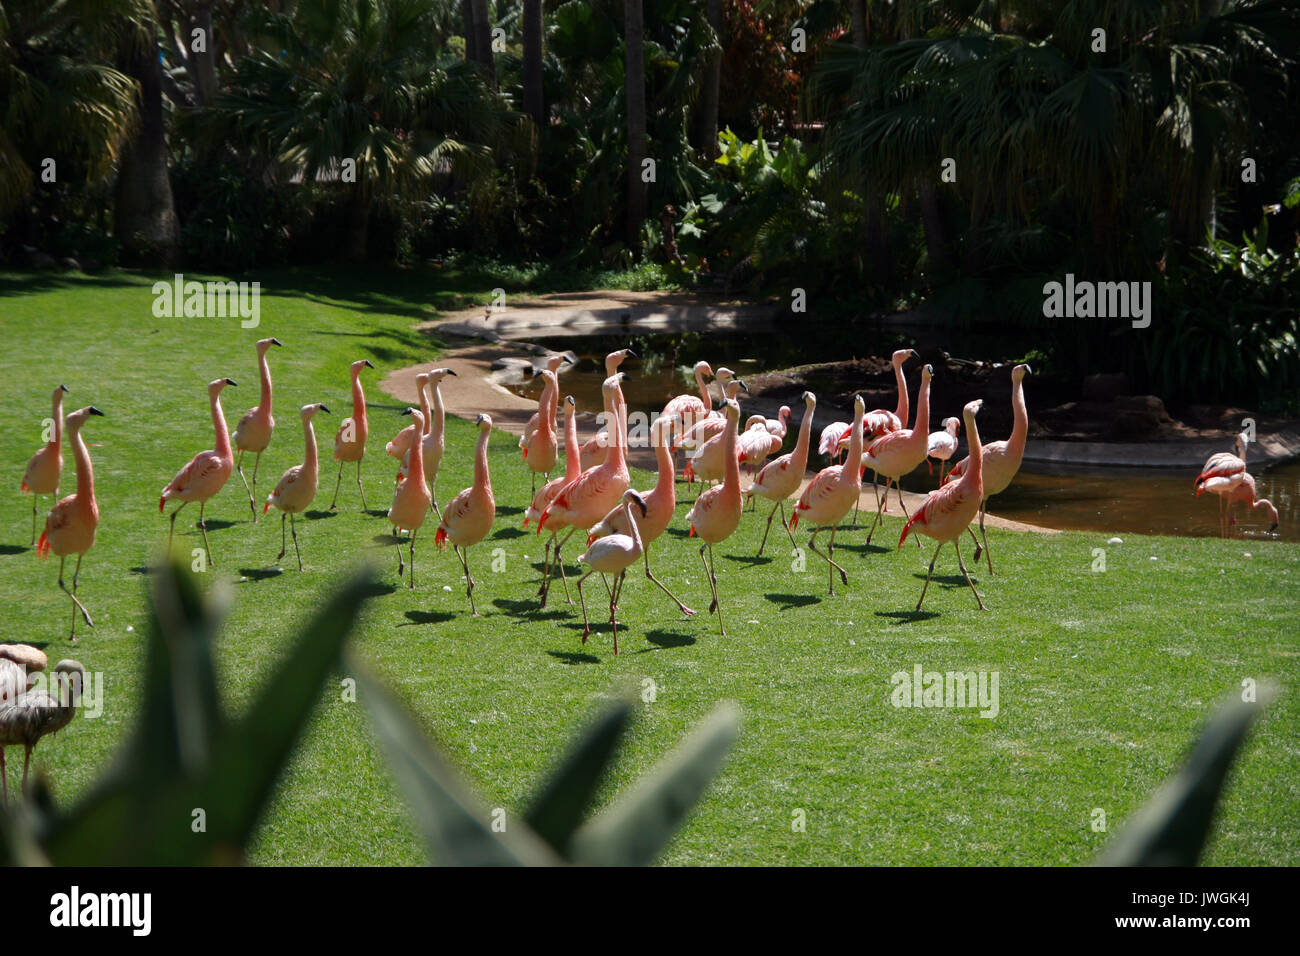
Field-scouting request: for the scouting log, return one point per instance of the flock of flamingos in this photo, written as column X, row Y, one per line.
column 592, row 496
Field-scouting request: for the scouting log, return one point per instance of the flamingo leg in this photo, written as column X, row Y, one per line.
column 684, row 609
column 930, row 572
column 586, row 625
column 463, row 554
column 401, row 564
column 879, row 504
column 546, row 570
column 256, row 463
column 34, row 519
column 360, row 487
column 961, row 564
column 293, row 531
column 27, row 761
column 337, row 481
column 713, row 580
column 987, row 553
column 812, row 546
column 414, row 532
column 763, row 543
column 203, row 527
column 713, row 605
column 563, row 578
column 172, row 530
column 284, row 542
column 899, row 488
column 786, row 524
column 613, row 607
column 239, row 467
column 73, row 594
column 4, row 778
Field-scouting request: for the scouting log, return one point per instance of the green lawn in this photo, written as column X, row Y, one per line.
column 1105, row 678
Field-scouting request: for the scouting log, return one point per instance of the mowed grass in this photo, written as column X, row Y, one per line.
column 1105, row 677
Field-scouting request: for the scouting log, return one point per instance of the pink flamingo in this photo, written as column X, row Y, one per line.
column 542, row 450
column 596, row 447
column 756, row 444
column 1240, row 489
column 350, row 439
column 468, row 517
column 70, row 525
column 585, row 500
column 942, row 445
column 547, row 494
column 705, row 441
column 879, row 421
column 1001, row 458
column 253, row 432
column 297, row 487
column 779, row 479
column 35, row 713
column 1225, row 470
column 780, row 425
column 411, row 499
column 613, row 554
column 45, row 468
column 830, row 495
column 657, row 506
column 948, row 511
column 716, row 512
column 896, row 453
column 553, row 363
column 685, row 410
column 206, row 473
column 434, row 443
column 400, row 446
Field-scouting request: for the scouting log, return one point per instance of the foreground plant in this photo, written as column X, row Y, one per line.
column 192, row 782
column 555, row 829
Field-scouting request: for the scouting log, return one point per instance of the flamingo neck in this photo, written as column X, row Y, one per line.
column 632, row 527
column 1020, row 426
column 85, row 471
column 974, row 476
column 731, row 464
column 921, row 426
column 264, row 369
column 311, row 459
column 415, row 456
column 805, row 433
column 546, row 409
column 616, row 457
column 854, row 460
column 665, row 483
column 439, row 412
column 425, row 410
column 482, row 479
column 704, row 391
column 358, row 401
column 57, row 442
column 572, row 450
column 903, row 405
column 222, row 430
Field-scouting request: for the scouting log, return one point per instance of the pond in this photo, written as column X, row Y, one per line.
column 1119, row 500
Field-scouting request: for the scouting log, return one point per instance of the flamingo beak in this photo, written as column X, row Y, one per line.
column 450, row 371
column 92, row 410
column 277, row 342
column 324, row 409
column 64, row 387
column 369, row 364
column 230, row 381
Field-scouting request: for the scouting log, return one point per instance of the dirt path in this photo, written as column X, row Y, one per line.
column 474, row 390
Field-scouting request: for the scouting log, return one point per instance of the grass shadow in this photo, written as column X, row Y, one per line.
column 679, row 532
column 13, row 548
column 788, row 601
column 427, row 617
column 574, row 657
column 508, row 510
column 863, row 548
column 217, row 524
column 947, row 581
column 527, row 609
column 908, row 617
column 318, row 515
column 662, row 639
column 752, row 560
column 509, row 533
column 260, row 574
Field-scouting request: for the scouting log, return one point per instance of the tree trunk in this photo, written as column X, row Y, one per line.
column 483, row 39
column 872, row 199
column 634, row 80
column 973, row 259
column 204, row 61
column 471, row 36
column 359, row 224
column 858, row 17
column 936, row 238
column 706, row 120
column 534, row 30
column 144, row 213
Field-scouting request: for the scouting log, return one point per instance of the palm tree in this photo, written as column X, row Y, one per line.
column 59, row 97
column 634, row 80
column 361, row 81
column 534, row 30
column 706, row 128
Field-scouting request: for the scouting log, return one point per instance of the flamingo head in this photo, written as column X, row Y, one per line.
column 570, row 405
column 418, row 416
column 217, row 384
column 809, row 400
column 784, row 414
column 704, row 369
column 421, row 380
column 609, row 388
column 927, row 373
column 309, row 411
column 484, row 420
column 58, row 392
column 77, row 418
column 952, row 426
column 902, row 355
column 1240, row 444
column 636, row 499
column 733, row 412
column 71, row 675
column 1019, row 372
column 264, row 344
column 614, row 359
column 436, row 375
column 725, row 375
column 971, row 409
column 357, row 366
column 860, row 406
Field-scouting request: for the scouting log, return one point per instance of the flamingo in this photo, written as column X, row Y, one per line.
column 553, row 363
column 716, row 512
column 685, row 410
column 705, row 440
column 470, row 514
column 949, row 510
column 613, row 554
column 33, row 713
column 434, row 442
column 596, row 447
column 1237, row 489
column 879, row 421
column 548, row 492
column 896, row 453
column 542, row 450
column 779, row 479
column 780, row 425
column 297, row 486
column 70, row 525
column 830, row 495
column 1225, row 468
column 1001, row 458
column 657, row 507
column 45, row 468
column 942, row 445
column 589, row 497
column 206, row 473
column 253, row 432
column 350, row 439
column 756, row 444
column 400, row 446
column 411, row 499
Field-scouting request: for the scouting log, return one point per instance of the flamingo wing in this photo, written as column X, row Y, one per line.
column 201, row 467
